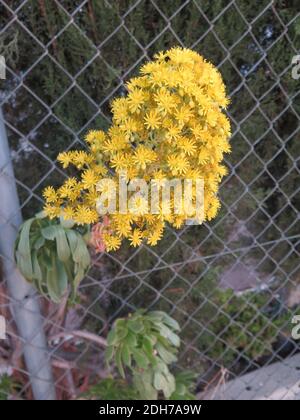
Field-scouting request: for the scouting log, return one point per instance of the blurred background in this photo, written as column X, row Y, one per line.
column 232, row 284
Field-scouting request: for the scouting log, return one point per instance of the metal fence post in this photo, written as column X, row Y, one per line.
column 25, row 307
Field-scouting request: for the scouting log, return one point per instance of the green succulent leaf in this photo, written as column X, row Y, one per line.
column 135, row 326
column 166, row 355
column 169, row 335
column 49, row 232
column 109, row 353
column 159, row 381
column 119, row 362
column 39, row 243
column 52, row 284
column 143, row 382
column 126, row 355
column 141, row 359
column 63, row 249
column 23, row 253
column 66, row 224
column 81, row 254
column 73, row 240
column 121, row 333
column 131, row 339
column 165, row 383
column 172, row 323
column 62, row 277
column 52, row 255
column 112, row 338
column 37, row 272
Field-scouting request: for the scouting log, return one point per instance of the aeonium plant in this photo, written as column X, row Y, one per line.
column 170, row 125
column 53, row 255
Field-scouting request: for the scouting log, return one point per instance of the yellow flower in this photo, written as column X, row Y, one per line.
column 119, row 162
column 138, row 205
column 75, row 192
column 122, row 224
column 178, row 164
column 152, row 120
column 120, row 109
column 80, row 159
column 115, row 144
column 89, row 179
column 65, row 158
column 182, row 56
column 136, row 99
column 91, row 136
column 214, row 205
column 143, row 156
column 84, row 215
column 183, row 114
column 178, row 222
column 50, row 195
column 204, row 156
column 212, row 117
column 71, row 182
column 68, row 213
column 52, row 211
column 136, row 238
column 112, row 242
column 128, row 126
column 154, row 237
column 171, row 124
column 65, row 191
column 173, row 132
column 132, row 172
column 187, row 145
column 166, row 102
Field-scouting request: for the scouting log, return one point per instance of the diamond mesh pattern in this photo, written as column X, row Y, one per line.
column 65, row 62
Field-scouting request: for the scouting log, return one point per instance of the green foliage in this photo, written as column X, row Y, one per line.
column 185, row 385
column 7, row 387
column 146, row 344
column 52, row 255
column 112, row 389
column 230, row 329
column 256, row 59
column 264, row 109
column 143, row 346
column 248, row 324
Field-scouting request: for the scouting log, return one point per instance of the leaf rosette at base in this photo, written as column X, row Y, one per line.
column 53, row 255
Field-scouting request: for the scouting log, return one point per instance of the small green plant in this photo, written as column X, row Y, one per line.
column 146, row 344
column 112, row 389
column 7, row 387
column 143, row 346
column 247, row 324
column 185, row 385
column 53, row 255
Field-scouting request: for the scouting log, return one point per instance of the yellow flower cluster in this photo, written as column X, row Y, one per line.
column 171, row 124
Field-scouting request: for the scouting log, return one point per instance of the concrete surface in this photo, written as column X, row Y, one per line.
column 279, row 381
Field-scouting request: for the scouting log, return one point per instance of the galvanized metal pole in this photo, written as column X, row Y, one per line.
column 25, row 307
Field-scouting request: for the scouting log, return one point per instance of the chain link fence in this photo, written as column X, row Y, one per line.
column 233, row 284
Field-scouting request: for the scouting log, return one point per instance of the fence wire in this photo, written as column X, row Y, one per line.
column 66, row 60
